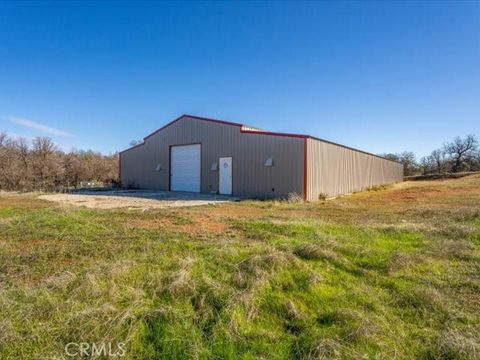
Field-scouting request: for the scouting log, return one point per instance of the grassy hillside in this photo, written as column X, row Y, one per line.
column 393, row 273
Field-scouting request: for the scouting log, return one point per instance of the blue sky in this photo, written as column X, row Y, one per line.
column 379, row 76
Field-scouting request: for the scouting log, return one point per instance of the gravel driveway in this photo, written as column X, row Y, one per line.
column 135, row 199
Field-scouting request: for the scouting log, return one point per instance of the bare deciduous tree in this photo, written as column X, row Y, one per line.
column 439, row 159
column 407, row 158
column 437, row 162
column 461, row 151
column 42, row 166
column 3, row 138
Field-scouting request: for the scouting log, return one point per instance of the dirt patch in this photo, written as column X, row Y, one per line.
column 26, row 200
column 236, row 211
column 419, row 194
column 29, row 245
column 412, row 194
column 425, row 191
column 130, row 202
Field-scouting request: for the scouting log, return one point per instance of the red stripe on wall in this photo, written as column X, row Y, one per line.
column 305, row 170
column 260, row 132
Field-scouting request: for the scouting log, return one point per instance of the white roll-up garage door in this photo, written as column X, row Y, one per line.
column 185, row 168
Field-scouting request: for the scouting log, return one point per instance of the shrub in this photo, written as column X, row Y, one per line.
column 322, row 196
column 378, row 187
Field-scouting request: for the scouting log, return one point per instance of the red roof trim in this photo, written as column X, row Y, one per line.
column 350, row 148
column 223, row 122
column 132, row 147
column 197, row 118
column 273, row 133
column 244, row 131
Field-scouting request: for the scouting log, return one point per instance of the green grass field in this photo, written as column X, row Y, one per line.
column 387, row 274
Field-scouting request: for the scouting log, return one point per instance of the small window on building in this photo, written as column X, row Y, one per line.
column 268, row 162
column 214, row 166
column 159, row 167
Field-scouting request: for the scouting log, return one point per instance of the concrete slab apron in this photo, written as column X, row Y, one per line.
column 135, row 199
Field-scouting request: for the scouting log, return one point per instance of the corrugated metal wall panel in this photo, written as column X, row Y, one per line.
column 248, row 151
column 335, row 170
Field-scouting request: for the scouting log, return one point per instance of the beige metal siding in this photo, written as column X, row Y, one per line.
column 248, row 150
column 335, row 170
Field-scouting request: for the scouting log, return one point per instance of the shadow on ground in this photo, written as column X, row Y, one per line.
column 155, row 194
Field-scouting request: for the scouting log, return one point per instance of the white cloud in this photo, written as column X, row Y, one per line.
column 40, row 127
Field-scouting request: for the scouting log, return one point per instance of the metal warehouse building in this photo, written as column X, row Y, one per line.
column 197, row 154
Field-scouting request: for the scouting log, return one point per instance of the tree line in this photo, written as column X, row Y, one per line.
column 458, row 155
column 40, row 165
